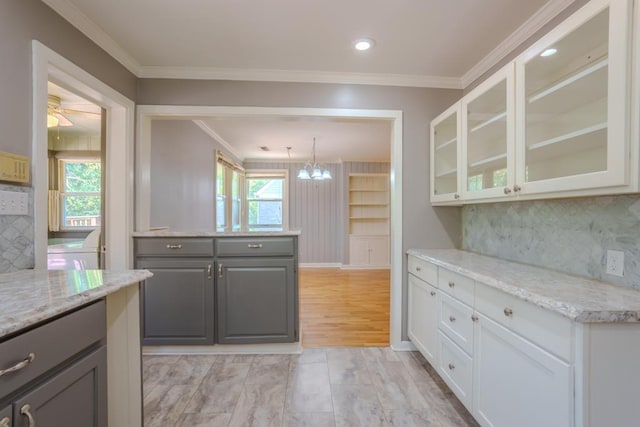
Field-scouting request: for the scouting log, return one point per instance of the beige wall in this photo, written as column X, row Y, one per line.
column 22, row 21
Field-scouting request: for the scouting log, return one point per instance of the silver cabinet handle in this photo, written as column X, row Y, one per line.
column 254, row 245
column 209, row 268
column 508, row 312
column 452, row 366
column 452, row 319
column 474, row 318
column 507, row 190
column 25, row 411
column 433, row 293
column 5, row 422
column 516, row 188
column 20, row 365
column 220, row 271
column 452, row 284
column 174, row 246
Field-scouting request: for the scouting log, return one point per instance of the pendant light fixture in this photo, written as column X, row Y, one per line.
column 314, row 170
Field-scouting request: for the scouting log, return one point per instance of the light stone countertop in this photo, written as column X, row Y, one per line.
column 580, row 299
column 28, row 297
column 168, row 233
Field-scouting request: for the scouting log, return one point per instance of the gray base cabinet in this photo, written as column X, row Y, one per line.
column 256, row 301
column 56, row 374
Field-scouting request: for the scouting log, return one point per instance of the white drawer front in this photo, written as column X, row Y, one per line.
column 549, row 330
column 455, row 322
column 456, row 369
column 423, row 270
column 456, row 285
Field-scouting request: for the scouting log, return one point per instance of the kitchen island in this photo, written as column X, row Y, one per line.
column 219, row 292
column 62, row 334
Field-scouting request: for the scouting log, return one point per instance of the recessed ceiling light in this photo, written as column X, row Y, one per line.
column 549, row 52
column 363, row 44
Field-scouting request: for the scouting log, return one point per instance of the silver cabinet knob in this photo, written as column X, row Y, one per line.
column 452, row 366
column 456, row 196
column 452, row 319
column 516, row 188
column 474, row 318
column 452, row 284
column 508, row 312
column 507, row 190
column 433, row 293
column 418, row 269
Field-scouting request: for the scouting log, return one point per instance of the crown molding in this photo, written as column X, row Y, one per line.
column 545, row 14
column 89, row 28
column 293, row 76
column 213, row 134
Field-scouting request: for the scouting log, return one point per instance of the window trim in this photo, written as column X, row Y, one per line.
column 61, row 159
column 268, row 173
column 229, row 167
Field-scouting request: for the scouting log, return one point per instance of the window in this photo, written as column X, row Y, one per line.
column 229, row 194
column 267, row 206
column 80, row 197
column 500, row 178
column 474, row 182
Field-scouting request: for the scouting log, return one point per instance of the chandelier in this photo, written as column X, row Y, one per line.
column 314, row 170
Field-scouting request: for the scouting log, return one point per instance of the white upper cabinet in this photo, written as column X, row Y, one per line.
column 445, row 156
column 488, row 137
column 572, row 97
column 556, row 122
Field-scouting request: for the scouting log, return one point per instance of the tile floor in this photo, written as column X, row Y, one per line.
column 321, row 387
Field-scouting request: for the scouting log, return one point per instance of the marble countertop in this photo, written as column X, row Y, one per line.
column 168, row 233
column 28, row 297
column 580, row 299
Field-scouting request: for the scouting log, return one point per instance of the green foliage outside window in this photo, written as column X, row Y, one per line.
column 85, row 178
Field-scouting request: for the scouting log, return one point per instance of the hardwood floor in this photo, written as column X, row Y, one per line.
column 344, row 308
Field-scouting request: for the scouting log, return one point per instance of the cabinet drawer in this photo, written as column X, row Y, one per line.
column 261, row 246
column 174, row 246
column 455, row 322
column 549, row 330
column 50, row 345
column 456, row 369
column 423, row 270
column 456, row 285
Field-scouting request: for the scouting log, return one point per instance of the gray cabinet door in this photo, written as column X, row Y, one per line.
column 256, row 300
column 76, row 396
column 5, row 417
column 177, row 302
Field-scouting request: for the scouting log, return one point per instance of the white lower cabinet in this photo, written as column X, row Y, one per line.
column 456, row 368
column 423, row 318
column 516, row 383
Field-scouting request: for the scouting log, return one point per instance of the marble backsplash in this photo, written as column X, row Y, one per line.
column 16, row 236
column 569, row 235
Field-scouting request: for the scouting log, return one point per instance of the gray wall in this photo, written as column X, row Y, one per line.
column 570, row 235
column 183, row 163
column 320, row 209
column 22, row 21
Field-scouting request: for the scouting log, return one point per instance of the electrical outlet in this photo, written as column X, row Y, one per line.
column 615, row 263
column 14, row 203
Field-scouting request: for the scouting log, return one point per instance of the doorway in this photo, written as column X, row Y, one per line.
column 148, row 113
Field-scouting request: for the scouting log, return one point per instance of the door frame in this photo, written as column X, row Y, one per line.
column 118, row 205
column 147, row 113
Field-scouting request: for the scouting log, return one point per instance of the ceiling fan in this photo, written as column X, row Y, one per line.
column 56, row 116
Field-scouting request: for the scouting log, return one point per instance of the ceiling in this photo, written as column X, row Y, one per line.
column 82, row 124
column 419, row 43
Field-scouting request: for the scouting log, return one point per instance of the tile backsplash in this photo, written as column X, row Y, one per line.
column 16, row 236
column 569, row 235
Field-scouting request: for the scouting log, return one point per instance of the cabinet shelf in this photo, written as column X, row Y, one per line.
column 489, row 121
column 368, row 204
column 488, row 161
column 567, row 136
column 369, row 218
column 580, row 74
column 449, row 143
column 447, row 173
column 364, row 190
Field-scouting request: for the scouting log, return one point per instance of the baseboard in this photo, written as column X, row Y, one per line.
column 365, row 267
column 285, row 348
column 404, row 346
column 320, row 265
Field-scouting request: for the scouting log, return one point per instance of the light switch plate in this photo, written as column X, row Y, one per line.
column 615, row 263
column 14, row 203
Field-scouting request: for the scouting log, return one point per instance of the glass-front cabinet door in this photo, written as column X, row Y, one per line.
column 488, row 137
column 572, row 96
column 445, row 155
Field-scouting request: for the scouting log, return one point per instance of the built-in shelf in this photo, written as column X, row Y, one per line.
column 363, row 190
column 489, row 121
column 568, row 136
column 446, row 144
column 368, row 204
column 369, row 218
column 580, row 74
column 488, row 160
column 447, row 173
